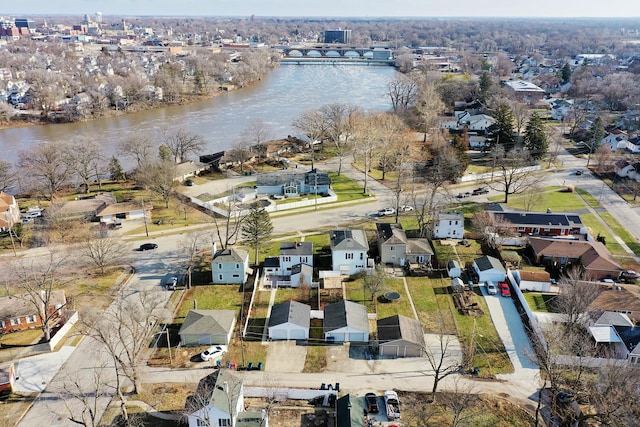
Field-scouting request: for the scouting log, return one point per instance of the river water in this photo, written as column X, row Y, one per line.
column 277, row 100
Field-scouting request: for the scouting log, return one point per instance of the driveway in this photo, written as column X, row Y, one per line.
column 34, row 373
column 285, row 356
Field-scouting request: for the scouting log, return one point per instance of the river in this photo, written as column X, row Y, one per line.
column 276, row 100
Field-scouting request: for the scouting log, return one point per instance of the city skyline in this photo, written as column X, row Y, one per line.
column 331, row 8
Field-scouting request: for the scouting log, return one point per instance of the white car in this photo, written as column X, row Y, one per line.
column 491, row 288
column 172, row 284
column 405, row 208
column 213, row 352
column 386, row 211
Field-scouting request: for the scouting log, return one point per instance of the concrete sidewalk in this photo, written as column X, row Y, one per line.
column 34, row 373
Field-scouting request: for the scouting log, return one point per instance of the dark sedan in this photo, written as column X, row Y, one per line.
column 147, row 246
column 372, row 403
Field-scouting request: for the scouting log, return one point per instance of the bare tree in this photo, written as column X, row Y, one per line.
column 81, row 399
column 439, row 352
column 402, row 93
column 103, row 250
column 314, row 125
column 39, row 282
column 515, row 174
column 181, row 143
column 139, row 148
column 367, row 142
column 576, row 295
column 160, row 177
column 493, row 229
column 43, row 164
column 228, row 228
column 340, row 120
column 460, row 404
column 256, row 135
column 428, row 105
column 7, row 176
column 521, row 114
column 84, row 159
column 374, row 283
column 193, row 257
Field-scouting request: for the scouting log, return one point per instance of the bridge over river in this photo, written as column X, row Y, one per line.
column 336, row 51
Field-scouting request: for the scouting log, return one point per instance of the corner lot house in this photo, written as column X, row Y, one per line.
column 207, row 327
column 346, row 321
column 229, row 266
column 293, row 184
column 448, row 225
column 125, row 211
column 400, row 336
column 349, row 250
column 18, row 312
column 538, row 223
column 289, row 321
column 219, row 401
column 489, row 268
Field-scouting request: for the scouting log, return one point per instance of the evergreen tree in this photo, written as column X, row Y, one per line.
column 115, row 169
column 257, row 228
column 566, row 72
column 485, row 85
column 165, row 153
column 535, row 137
column 502, row 132
column 594, row 136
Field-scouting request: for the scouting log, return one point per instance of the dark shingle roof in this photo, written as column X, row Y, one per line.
column 540, row 219
column 272, row 261
column 488, row 262
column 400, row 327
column 391, row 233
column 290, row 312
column 200, row 322
column 296, row 248
column 345, row 313
column 231, row 255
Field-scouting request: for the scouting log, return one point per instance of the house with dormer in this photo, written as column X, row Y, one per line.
column 293, row 184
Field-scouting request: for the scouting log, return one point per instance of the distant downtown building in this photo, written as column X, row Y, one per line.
column 337, row 36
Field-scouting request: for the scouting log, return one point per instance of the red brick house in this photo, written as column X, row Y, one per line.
column 540, row 224
column 18, row 313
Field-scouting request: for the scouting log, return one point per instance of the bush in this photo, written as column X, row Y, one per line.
column 570, row 189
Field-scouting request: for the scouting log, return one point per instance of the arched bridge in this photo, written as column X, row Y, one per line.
column 333, row 50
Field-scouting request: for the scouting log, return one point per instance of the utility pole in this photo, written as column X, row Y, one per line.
column 10, row 222
column 144, row 215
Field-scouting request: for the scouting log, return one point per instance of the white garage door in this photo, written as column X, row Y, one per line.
column 278, row 334
column 204, row 339
column 297, row 334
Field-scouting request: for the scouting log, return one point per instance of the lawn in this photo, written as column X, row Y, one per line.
column 621, row 232
column 212, row 297
column 555, row 198
column 588, row 198
column 539, row 302
column 345, row 188
column 445, row 253
column 597, row 228
column 316, row 360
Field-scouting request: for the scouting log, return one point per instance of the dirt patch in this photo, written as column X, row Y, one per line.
column 285, row 356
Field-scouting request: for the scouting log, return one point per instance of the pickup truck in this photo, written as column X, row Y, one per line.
column 392, row 404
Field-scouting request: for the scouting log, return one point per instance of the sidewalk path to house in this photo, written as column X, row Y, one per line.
column 34, row 373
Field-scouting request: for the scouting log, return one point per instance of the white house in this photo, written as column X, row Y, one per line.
column 292, row 253
column 346, row 321
column 448, row 225
column 626, row 169
column 289, row 320
column 616, row 140
column 489, row 268
column 219, row 401
column 229, row 265
column 349, row 250
column 477, row 122
column 9, row 211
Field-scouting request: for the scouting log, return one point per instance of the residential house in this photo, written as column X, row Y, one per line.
column 188, row 169
column 125, row 211
column 616, row 140
column 488, row 269
column 475, row 123
column 85, row 208
column 291, row 253
column 627, row 169
column 229, row 265
column 207, row 327
column 9, row 211
column 448, row 225
column 592, row 256
column 620, row 298
column 633, row 144
column 289, row 320
column 293, row 184
column 400, row 336
column 560, row 109
column 301, row 275
column 346, row 321
column 616, row 336
column 349, row 249
column 18, row 312
column 539, row 223
column 219, row 401
column 396, row 249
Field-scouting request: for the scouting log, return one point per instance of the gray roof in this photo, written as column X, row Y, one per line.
column 202, row 322
column 221, row 389
column 280, row 178
column 321, row 177
column 231, row 255
column 419, row 246
column 345, row 313
column 488, row 262
column 612, row 318
column 400, row 327
column 296, row 248
column 290, row 312
column 451, row 216
column 392, row 234
column 349, row 240
column 301, row 268
column 539, row 219
column 21, row 305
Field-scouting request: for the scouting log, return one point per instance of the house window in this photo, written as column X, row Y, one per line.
column 361, row 256
column 203, row 423
column 15, row 321
column 31, row 319
column 236, row 275
column 219, row 266
column 521, row 229
column 224, row 422
column 219, row 276
column 450, row 222
column 286, row 259
column 303, row 259
column 453, row 232
column 237, row 265
column 391, row 248
column 349, row 256
column 456, row 222
column 547, row 229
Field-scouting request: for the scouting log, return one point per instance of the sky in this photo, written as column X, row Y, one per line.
column 329, row 8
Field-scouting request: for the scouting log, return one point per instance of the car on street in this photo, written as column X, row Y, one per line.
column 405, row 208
column 463, row 195
column 386, row 211
column 491, row 288
column 579, row 172
column 480, row 190
column 189, row 183
column 172, row 283
column 147, row 246
column 213, row 352
column 504, row 289
column 372, row 403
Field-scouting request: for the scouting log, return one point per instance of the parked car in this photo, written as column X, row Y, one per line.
column 406, row 208
column 172, row 284
column 504, row 289
column 491, row 288
column 579, row 172
column 213, row 352
column 147, row 246
column 189, row 183
column 463, row 195
column 480, row 190
column 372, row 403
column 386, row 211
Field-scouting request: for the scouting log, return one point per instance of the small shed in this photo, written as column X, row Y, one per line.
column 400, row 336
column 207, row 327
column 453, row 269
column 289, row 320
column 538, row 281
column 346, row 321
column 489, row 268
column 457, row 284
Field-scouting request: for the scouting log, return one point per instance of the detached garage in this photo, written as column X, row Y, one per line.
column 207, row 327
column 400, row 336
column 289, row 321
column 489, row 268
column 346, row 321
